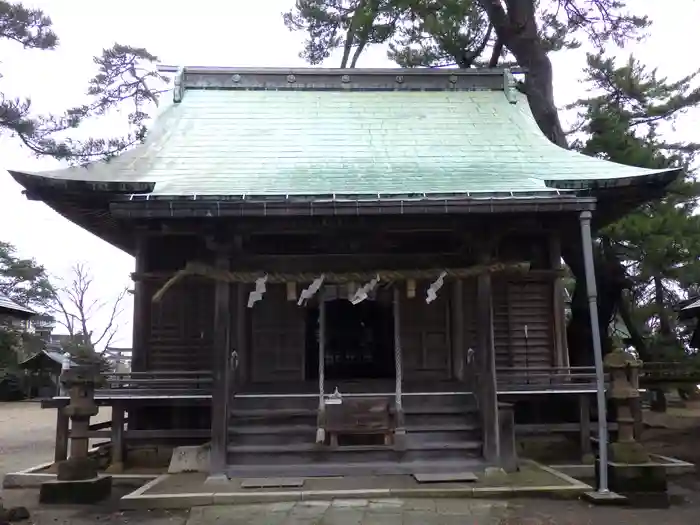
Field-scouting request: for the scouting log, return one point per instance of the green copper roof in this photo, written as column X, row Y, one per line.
column 350, row 142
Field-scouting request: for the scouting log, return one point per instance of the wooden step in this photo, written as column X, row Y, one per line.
column 441, row 410
column 273, row 413
column 370, row 468
column 448, row 427
column 296, row 448
column 271, row 429
column 308, row 427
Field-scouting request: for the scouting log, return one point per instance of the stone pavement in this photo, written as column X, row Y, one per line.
column 356, row 512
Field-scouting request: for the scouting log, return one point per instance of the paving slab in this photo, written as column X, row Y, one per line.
column 389, row 511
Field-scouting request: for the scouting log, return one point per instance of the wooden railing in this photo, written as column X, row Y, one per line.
column 654, row 373
column 199, row 382
column 157, row 383
column 546, row 379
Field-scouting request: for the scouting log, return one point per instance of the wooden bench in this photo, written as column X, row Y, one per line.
column 359, row 417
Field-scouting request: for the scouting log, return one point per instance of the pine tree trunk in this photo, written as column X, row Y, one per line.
column 665, row 327
column 517, row 30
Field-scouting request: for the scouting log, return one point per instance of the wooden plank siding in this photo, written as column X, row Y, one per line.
column 181, row 330
column 182, row 327
column 425, row 334
column 517, row 304
column 278, row 337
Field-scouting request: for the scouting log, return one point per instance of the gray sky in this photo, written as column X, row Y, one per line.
column 215, row 33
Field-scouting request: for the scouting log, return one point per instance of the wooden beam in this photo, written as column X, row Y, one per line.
column 221, row 372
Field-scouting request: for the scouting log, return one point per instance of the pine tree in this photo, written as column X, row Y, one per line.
column 472, row 33
column 124, row 76
column 658, row 245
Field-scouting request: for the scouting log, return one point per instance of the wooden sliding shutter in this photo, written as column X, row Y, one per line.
column 517, row 305
column 182, row 325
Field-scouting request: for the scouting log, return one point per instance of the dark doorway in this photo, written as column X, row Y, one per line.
column 359, row 340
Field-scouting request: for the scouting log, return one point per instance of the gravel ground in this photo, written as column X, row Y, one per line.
column 27, row 435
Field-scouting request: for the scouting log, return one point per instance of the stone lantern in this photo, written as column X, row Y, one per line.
column 77, row 480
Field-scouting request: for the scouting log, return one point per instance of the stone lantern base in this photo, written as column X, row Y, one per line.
column 644, row 484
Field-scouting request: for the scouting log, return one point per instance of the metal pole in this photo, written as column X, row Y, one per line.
column 585, row 220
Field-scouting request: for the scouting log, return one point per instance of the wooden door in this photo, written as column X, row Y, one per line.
column 277, row 337
column 425, row 339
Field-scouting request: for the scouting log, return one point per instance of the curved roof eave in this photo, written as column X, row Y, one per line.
column 658, row 177
column 59, row 182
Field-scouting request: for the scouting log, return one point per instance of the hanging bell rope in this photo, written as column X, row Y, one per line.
column 210, row 272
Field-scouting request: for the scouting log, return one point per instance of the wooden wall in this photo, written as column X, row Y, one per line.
column 517, row 303
column 182, row 326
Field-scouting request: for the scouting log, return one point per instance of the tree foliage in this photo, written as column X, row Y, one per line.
column 659, row 244
column 473, row 33
column 26, row 283
column 24, row 280
column 124, row 76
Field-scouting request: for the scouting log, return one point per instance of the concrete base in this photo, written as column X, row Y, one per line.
column 604, row 498
column 82, row 492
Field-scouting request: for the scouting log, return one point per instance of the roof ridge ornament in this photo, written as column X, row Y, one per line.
column 179, row 85
column 509, row 85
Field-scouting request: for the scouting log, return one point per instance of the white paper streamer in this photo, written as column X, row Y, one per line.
column 433, row 290
column 363, row 291
column 309, row 292
column 257, row 294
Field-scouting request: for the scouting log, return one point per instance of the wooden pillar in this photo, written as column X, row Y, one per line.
column 118, row 446
column 142, row 309
column 488, row 397
column 400, row 430
column 221, row 375
column 585, row 421
column 561, row 352
column 61, row 445
column 321, row 416
column 242, row 374
column 458, row 339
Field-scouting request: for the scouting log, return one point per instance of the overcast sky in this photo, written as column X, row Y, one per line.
column 215, row 33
